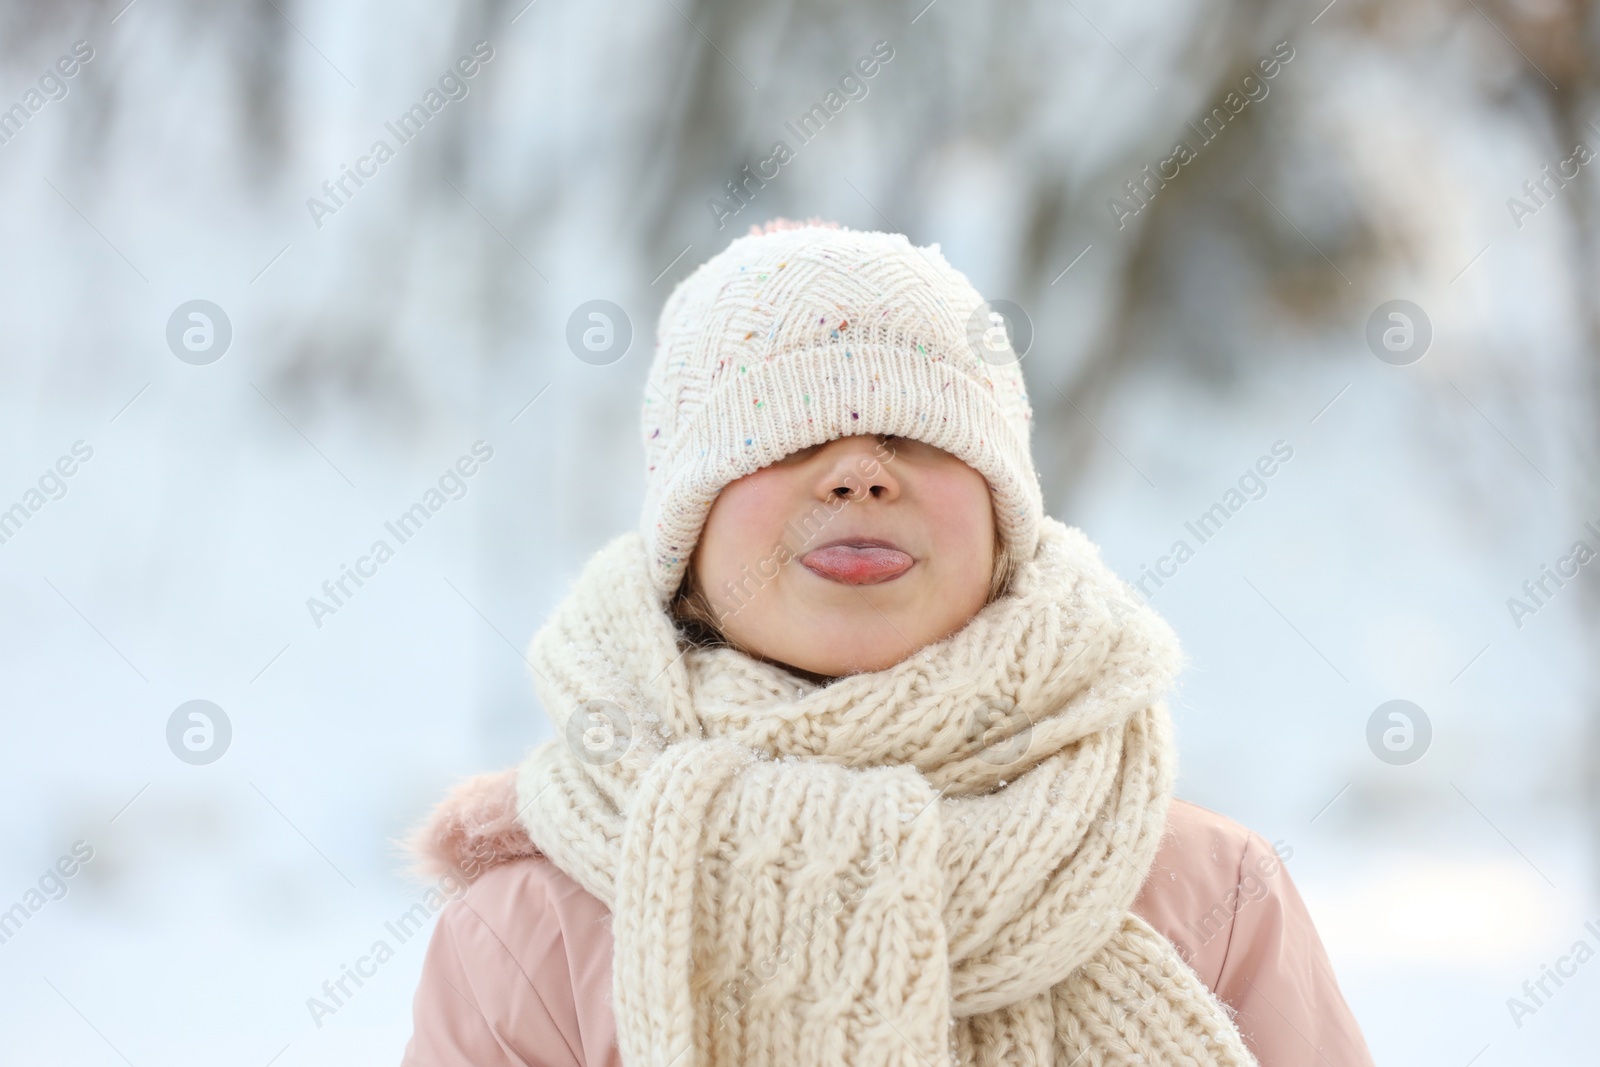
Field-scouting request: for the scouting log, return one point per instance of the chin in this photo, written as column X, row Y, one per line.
column 849, row 636
column 855, row 660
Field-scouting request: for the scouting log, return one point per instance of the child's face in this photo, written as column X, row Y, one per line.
column 848, row 556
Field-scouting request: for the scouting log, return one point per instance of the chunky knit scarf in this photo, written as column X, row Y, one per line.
column 927, row 865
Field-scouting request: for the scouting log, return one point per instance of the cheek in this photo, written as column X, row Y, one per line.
column 959, row 498
column 745, row 525
column 963, row 536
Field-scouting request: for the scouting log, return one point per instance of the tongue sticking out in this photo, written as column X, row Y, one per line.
column 857, row 564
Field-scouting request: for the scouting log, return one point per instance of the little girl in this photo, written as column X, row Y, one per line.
column 859, row 758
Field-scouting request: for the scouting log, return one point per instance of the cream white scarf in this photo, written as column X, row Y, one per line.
column 927, row 865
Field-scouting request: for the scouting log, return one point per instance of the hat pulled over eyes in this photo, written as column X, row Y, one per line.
column 800, row 333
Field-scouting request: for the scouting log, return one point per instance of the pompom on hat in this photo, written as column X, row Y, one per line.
column 800, row 333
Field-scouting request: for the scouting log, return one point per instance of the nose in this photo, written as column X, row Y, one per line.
column 856, row 468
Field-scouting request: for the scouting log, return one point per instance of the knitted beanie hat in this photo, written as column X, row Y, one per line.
column 797, row 334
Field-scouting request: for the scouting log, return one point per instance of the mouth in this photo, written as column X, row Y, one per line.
column 857, row 561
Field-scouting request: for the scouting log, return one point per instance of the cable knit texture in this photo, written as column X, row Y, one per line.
column 932, row 864
column 798, row 336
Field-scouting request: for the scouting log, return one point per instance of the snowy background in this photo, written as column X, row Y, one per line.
column 371, row 351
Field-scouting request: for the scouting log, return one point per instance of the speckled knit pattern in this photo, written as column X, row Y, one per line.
column 931, row 864
column 792, row 338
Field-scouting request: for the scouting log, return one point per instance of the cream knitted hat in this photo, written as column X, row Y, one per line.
column 798, row 334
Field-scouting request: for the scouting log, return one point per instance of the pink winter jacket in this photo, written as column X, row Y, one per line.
column 518, row 971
